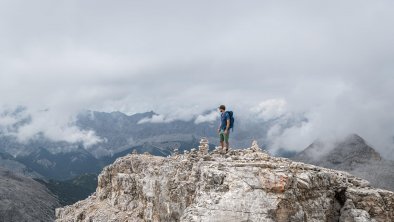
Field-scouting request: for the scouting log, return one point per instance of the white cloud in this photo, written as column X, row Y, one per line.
column 7, row 121
column 347, row 114
column 329, row 61
column 53, row 127
column 210, row 117
column 270, row 109
column 154, row 119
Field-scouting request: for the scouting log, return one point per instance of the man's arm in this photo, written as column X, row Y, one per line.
column 227, row 126
column 220, row 125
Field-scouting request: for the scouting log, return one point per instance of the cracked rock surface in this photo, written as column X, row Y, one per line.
column 243, row 185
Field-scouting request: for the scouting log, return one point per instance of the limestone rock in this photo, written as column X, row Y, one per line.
column 204, row 146
column 239, row 186
column 255, row 147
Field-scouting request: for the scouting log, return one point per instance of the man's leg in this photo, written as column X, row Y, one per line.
column 226, row 137
column 221, row 136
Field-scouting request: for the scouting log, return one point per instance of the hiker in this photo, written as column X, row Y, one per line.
column 226, row 121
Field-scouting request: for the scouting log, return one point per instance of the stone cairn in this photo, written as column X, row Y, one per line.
column 176, row 151
column 204, row 146
column 255, row 147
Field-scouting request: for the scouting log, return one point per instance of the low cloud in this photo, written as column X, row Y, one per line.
column 270, row 109
column 30, row 125
column 210, row 117
column 336, row 119
column 7, row 123
column 155, row 119
column 328, row 62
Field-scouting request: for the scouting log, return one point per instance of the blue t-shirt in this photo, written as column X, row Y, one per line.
column 224, row 117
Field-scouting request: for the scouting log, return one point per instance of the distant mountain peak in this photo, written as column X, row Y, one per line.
column 351, row 154
column 358, row 147
column 351, row 150
column 118, row 113
column 354, row 138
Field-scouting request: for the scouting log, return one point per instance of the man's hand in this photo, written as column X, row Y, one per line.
column 225, row 132
column 218, row 130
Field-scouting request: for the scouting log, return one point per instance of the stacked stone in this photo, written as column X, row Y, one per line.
column 255, row 147
column 204, row 146
column 176, row 151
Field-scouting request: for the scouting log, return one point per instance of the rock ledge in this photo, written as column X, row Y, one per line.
column 243, row 185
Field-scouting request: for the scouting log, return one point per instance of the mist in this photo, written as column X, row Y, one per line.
column 327, row 62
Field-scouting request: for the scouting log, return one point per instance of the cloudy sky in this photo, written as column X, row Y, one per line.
column 331, row 61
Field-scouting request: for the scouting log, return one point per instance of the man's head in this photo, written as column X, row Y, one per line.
column 222, row 108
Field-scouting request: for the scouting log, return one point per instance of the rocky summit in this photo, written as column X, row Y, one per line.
column 242, row 185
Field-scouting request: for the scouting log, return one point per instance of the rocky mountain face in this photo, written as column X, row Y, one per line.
column 243, row 185
column 61, row 166
column 38, row 159
column 122, row 132
column 353, row 155
column 73, row 190
column 9, row 162
column 24, row 199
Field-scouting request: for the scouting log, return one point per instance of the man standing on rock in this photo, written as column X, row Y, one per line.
column 224, row 127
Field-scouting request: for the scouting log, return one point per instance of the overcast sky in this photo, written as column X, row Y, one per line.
column 331, row 61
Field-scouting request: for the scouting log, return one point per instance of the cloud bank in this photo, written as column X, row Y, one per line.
column 210, row 117
column 26, row 125
column 328, row 61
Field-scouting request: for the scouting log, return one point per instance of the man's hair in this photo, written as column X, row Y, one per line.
column 223, row 107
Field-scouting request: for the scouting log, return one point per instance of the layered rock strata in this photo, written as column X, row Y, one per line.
column 242, row 185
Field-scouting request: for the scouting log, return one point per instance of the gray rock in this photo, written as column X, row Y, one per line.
column 251, row 187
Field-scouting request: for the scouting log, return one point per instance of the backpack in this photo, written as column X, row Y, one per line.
column 231, row 114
